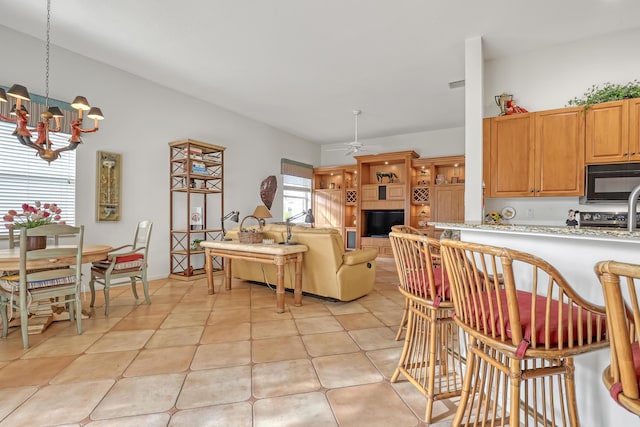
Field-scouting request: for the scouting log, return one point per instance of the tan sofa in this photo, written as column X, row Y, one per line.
column 327, row 270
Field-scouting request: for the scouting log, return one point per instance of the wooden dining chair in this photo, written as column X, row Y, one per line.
column 48, row 286
column 525, row 324
column 620, row 282
column 430, row 358
column 405, row 312
column 124, row 262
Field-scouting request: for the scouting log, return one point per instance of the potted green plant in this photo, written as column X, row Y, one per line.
column 195, row 244
column 607, row 92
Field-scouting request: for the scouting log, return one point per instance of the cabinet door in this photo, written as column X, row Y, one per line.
column 449, row 203
column 559, row 152
column 396, row 192
column 607, row 132
column 634, row 129
column 369, row 192
column 512, row 156
column 328, row 208
column 486, row 156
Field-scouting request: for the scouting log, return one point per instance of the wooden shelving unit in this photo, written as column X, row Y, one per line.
column 196, row 204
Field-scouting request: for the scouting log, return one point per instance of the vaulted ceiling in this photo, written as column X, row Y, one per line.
column 303, row 65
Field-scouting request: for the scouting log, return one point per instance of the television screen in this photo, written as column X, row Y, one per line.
column 379, row 223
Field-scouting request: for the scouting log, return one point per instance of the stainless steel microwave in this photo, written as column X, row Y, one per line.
column 610, row 183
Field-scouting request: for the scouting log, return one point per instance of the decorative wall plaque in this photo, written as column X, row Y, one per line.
column 268, row 190
column 108, row 186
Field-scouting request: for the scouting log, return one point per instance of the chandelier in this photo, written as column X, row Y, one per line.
column 19, row 114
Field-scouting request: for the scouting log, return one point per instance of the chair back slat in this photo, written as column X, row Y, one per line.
column 142, row 236
column 619, row 284
column 414, row 256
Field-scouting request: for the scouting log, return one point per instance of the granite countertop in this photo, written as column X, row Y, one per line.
column 548, row 231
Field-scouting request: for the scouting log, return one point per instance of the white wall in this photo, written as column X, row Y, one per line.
column 549, row 78
column 140, row 119
column 438, row 143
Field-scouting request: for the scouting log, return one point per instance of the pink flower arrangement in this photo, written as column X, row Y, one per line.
column 34, row 216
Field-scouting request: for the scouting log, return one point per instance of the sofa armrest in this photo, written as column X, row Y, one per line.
column 359, row 256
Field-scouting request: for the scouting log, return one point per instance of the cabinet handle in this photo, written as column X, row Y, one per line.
column 531, row 191
column 625, row 154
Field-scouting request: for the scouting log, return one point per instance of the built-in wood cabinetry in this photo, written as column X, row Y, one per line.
column 385, row 185
column 536, row 154
column 612, row 132
column 423, row 189
column 437, row 192
column 335, row 198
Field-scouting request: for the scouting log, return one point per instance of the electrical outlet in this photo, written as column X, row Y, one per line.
column 530, row 213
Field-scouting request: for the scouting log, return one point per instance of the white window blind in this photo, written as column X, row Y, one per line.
column 25, row 177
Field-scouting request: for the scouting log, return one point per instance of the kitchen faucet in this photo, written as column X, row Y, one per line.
column 631, row 213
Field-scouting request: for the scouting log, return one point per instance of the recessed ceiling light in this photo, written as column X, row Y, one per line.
column 456, row 84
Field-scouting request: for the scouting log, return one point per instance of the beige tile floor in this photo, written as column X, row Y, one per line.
column 192, row 359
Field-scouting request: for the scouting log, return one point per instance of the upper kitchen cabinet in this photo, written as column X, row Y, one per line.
column 559, row 152
column 612, row 133
column 536, row 154
column 511, row 152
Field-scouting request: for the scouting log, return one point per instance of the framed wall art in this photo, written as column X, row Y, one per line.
column 108, row 186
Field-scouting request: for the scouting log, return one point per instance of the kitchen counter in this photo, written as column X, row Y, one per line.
column 604, row 234
column 574, row 252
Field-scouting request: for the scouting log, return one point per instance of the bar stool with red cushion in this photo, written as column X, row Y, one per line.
column 525, row 324
column 622, row 377
column 430, row 358
column 405, row 313
column 121, row 264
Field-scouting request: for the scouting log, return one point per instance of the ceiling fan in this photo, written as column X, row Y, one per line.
column 354, row 146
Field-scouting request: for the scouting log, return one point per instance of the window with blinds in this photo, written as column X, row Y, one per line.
column 25, row 177
column 296, row 192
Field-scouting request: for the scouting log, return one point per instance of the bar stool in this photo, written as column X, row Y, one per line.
column 403, row 322
column 430, row 358
column 622, row 377
column 525, row 324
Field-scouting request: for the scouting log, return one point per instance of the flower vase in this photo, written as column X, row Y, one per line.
column 36, row 242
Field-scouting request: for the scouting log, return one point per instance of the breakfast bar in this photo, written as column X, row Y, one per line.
column 574, row 252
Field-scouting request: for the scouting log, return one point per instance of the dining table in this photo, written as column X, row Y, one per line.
column 10, row 257
column 10, row 262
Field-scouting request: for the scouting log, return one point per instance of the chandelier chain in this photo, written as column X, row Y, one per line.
column 46, row 77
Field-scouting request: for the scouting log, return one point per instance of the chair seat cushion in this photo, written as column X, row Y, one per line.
column 538, row 330
column 418, row 284
column 635, row 351
column 127, row 258
column 616, row 388
column 125, row 262
column 12, row 283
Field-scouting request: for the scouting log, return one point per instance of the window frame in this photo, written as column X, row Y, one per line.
column 26, row 178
